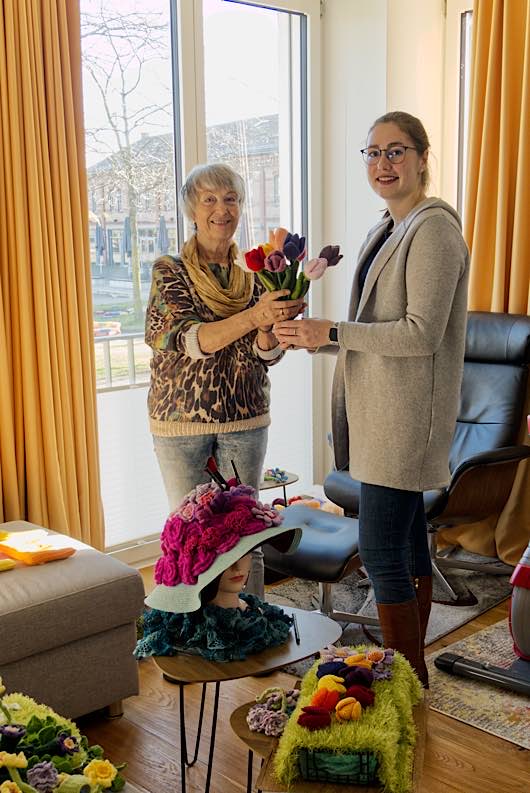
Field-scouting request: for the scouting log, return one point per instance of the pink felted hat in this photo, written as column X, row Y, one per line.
column 210, row 530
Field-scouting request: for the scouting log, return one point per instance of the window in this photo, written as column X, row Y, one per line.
column 458, row 30
column 167, row 85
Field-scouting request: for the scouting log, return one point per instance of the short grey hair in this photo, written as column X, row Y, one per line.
column 214, row 177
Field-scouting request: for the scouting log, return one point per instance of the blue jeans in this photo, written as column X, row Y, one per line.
column 182, row 461
column 393, row 543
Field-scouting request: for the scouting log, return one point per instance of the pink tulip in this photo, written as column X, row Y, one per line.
column 275, row 262
column 277, row 237
column 315, row 268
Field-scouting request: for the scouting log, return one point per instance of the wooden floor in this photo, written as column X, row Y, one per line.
column 458, row 758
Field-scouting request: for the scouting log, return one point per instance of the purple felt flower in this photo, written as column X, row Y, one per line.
column 331, row 254
column 275, row 262
column 67, row 744
column 10, row 735
column 294, row 247
column 43, row 777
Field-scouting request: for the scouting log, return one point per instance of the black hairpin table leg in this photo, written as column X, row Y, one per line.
column 184, row 761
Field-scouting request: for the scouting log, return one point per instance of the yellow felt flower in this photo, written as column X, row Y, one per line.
column 100, row 772
column 353, row 660
column 348, row 709
column 332, row 683
column 9, row 787
column 13, row 760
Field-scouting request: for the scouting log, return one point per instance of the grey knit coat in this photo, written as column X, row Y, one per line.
column 399, row 368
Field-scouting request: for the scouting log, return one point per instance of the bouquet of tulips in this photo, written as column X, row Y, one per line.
column 277, row 263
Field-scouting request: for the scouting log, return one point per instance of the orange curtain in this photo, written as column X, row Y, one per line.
column 48, row 432
column 497, row 225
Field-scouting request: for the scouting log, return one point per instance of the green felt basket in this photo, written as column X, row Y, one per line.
column 358, row 768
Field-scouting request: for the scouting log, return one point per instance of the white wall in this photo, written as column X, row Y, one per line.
column 377, row 55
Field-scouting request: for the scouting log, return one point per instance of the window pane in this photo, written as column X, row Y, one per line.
column 127, row 88
column 254, row 91
column 466, row 22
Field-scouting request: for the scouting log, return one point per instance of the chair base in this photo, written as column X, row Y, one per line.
column 326, row 608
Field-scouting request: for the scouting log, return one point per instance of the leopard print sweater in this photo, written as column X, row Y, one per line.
column 226, row 391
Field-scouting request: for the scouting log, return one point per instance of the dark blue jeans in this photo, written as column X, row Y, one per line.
column 393, row 542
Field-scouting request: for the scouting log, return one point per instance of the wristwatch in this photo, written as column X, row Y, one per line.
column 334, row 333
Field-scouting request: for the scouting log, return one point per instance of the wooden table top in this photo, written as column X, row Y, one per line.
column 268, row 484
column 316, row 631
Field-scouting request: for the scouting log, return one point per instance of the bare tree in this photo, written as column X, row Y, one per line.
column 116, row 49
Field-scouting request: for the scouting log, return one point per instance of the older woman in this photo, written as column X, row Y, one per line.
column 209, row 323
column 398, row 374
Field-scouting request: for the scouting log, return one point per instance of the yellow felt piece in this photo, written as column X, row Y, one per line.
column 348, row 709
column 6, row 564
column 332, row 683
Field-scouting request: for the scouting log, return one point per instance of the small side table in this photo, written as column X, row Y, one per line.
column 315, row 632
column 269, row 484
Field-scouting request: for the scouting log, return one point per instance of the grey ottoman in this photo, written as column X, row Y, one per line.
column 68, row 629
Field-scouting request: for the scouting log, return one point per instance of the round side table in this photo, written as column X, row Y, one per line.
column 269, row 484
column 314, row 631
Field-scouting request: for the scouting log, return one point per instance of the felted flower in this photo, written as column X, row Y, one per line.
column 315, row 269
column 375, row 655
column 43, row 777
column 348, row 709
column 8, row 760
column 332, row 683
column 100, row 772
column 67, row 744
column 277, row 237
column 9, row 787
column 294, row 247
column 10, row 734
column 331, row 254
column 364, row 662
column 2, row 688
column 255, row 259
column 352, row 660
column 359, row 675
column 324, row 698
column 362, row 694
column 275, row 262
column 332, row 668
column 314, row 718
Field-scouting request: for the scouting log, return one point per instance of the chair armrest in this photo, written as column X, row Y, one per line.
column 479, row 487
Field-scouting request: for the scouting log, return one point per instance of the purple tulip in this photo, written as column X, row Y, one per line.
column 294, row 247
column 275, row 262
column 331, row 254
column 315, row 268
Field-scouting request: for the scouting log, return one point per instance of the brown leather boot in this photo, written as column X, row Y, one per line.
column 400, row 625
column 423, row 587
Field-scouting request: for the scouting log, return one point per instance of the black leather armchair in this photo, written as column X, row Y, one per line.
column 484, row 453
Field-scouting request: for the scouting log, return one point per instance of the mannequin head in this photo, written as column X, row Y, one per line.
column 224, row 590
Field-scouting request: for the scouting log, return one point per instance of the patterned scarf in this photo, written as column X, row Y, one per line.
column 223, row 302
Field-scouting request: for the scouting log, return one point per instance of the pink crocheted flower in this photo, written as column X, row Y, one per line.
column 187, row 511
column 166, row 571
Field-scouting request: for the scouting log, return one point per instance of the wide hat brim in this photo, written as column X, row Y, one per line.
column 185, row 598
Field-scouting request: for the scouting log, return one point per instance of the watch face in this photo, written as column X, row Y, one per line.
column 333, row 333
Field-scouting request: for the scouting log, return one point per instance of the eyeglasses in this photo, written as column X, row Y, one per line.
column 394, row 154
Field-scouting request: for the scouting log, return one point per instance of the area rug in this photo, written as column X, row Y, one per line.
column 484, row 591
column 487, row 707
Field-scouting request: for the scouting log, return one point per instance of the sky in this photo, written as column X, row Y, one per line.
column 241, row 67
